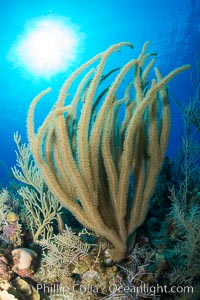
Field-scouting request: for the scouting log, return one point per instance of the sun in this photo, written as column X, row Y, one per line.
column 47, row 47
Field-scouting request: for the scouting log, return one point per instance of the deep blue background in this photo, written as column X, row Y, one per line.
column 173, row 27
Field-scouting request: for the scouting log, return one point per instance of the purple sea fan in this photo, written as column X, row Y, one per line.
column 9, row 230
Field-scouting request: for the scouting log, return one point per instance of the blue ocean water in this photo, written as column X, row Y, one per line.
column 172, row 27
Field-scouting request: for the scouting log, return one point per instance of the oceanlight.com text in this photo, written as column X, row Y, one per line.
column 144, row 289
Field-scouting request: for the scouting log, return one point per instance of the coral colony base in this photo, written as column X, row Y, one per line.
column 99, row 158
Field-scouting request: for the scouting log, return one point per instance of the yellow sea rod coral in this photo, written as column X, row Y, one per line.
column 101, row 154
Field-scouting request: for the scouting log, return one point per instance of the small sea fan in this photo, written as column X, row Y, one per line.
column 187, row 248
column 60, row 252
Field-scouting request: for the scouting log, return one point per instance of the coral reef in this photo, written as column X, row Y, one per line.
column 100, row 157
